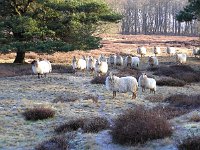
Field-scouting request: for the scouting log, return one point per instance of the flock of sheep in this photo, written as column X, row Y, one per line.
column 114, row 83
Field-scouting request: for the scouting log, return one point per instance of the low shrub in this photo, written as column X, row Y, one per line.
column 55, row 143
column 192, row 143
column 95, row 125
column 38, row 113
column 72, row 125
column 170, row 82
column 62, row 69
column 182, row 100
column 138, row 126
column 99, row 80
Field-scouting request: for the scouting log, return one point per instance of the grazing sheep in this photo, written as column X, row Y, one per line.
column 119, row 60
column 81, row 64
column 112, row 59
column 128, row 61
column 196, row 51
column 122, row 85
column 102, row 58
column 153, row 61
column 142, row 51
column 41, row 67
column 156, row 50
column 135, row 62
column 181, row 58
column 91, row 63
column 171, row 51
column 147, row 83
column 74, row 65
column 101, row 67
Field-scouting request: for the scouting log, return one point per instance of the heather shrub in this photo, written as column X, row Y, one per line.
column 182, row 100
column 38, row 113
column 170, row 82
column 99, row 80
column 195, row 118
column 55, row 143
column 62, row 69
column 138, row 126
column 192, row 143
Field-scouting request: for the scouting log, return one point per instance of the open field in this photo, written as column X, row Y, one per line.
column 73, row 96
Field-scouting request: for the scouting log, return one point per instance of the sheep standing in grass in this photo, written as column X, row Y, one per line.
column 156, row 50
column 196, row 51
column 101, row 67
column 102, row 58
column 135, row 62
column 153, row 61
column 147, row 83
column 41, row 67
column 142, row 51
column 128, row 61
column 91, row 63
column 171, row 51
column 122, row 85
column 112, row 59
column 81, row 64
column 74, row 65
column 181, row 58
column 119, row 60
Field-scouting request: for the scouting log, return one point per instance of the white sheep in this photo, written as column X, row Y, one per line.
column 41, row 67
column 91, row 63
column 101, row 67
column 181, row 58
column 122, row 85
column 156, row 50
column 74, row 64
column 102, row 58
column 81, row 64
column 171, row 51
column 147, row 83
column 112, row 59
column 128, row 61
column 119, row 60
column 196, row 51
column 142, row 51
column 135, row 62
column 153, row 61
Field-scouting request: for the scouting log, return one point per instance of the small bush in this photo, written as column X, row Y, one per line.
column 170, row 112
column 72, row 125
column 170, row 82
column 155, row 98
column 138, row 126
column 62, row 69
column 38, row 113
column 186, row 101
column 99, row 80
column 129, row 72
column 195, row 118
column 95, row 125
column 55, row 143
column 192, row 143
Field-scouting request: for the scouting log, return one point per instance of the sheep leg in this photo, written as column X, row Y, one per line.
column 38, row 76
column 45, row 75
column 114, row 94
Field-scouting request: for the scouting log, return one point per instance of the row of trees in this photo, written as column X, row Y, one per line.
column 51, row 25
column 156, row 17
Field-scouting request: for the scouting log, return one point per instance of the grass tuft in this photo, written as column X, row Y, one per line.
column 138, row 126
column 38, row 114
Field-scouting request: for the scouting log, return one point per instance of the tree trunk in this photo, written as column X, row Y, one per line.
column 20, row 57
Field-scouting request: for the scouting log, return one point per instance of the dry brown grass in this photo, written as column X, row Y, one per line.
column 192, row 143
column 138, row 126
column 99, row 79
column 195, row 118
column 38, row 113
column 170, row 82
column 155, row 98
column 55, row 143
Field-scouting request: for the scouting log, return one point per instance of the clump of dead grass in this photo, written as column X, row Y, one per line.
column 64, row 99
column 195, row 118
column 38, row 113
column 182, row 100
column 128, row 72
column 155, row 98
column 89, row 125
column 192, row 143
column 55, row 143
column 99, row 79
column 170, row 82
column 62, row 69
column 138, row 126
